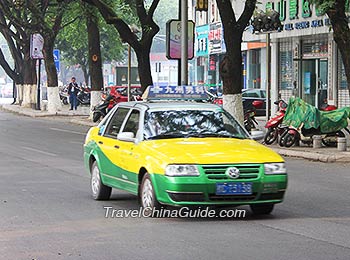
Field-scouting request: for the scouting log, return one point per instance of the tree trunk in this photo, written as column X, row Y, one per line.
column 231, row 74
column 341, row 34
column 86, row 74
column 54, row 103
column 144, row 67
column 95, row 61
column 28, row 97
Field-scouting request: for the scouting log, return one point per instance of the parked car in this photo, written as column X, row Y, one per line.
column 250, row 95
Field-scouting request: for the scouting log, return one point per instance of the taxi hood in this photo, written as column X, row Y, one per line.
column 211, row 151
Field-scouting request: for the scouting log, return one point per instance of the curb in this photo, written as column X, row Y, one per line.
column 307, row 155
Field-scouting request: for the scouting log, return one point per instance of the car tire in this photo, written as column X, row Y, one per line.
column 99, row 190
column 147, row 195
column 271, row 136
column 262, row 209
column 96, row 116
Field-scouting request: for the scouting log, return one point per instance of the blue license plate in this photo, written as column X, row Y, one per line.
column 234, row 188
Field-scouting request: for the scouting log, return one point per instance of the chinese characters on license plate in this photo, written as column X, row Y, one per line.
column 234, row 188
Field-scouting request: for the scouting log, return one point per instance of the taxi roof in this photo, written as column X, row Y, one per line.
column 171, row 105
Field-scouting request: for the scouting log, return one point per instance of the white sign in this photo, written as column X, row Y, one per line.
column 36, row 46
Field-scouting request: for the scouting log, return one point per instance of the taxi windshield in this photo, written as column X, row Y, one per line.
column 191, row 123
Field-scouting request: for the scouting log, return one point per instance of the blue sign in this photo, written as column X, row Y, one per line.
column 177, row 92
column 56, row 59
column 202, row 40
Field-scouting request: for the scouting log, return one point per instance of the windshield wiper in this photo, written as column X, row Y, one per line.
column 166, row 136
column 207, row 134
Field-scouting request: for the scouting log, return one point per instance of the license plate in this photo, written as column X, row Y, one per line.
column 234, row 188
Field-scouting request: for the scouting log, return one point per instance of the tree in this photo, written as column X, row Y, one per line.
column 48, row 19
column 335, row 9
column 231, row 65
column 73, row 41
column 12, row 18
column 149, row 29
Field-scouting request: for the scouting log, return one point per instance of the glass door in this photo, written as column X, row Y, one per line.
column 314, row 81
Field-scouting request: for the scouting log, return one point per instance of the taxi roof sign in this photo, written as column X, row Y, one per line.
column 175, row 93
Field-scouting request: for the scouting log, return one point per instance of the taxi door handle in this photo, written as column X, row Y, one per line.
column 100, row 142
column 116, row 146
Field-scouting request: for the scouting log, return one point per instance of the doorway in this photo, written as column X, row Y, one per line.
column 314, row 81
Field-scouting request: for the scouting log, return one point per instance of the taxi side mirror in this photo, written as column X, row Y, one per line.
column 126, row 136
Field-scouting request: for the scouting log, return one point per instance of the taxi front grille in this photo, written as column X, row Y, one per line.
column 217, row 172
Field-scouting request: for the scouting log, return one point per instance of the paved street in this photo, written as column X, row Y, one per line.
column 46, row 211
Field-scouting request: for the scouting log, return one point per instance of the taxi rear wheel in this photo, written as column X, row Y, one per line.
column 99, row 190
column 262, row 209
column 147, row 195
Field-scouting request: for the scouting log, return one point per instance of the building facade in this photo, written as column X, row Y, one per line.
column 305, row 61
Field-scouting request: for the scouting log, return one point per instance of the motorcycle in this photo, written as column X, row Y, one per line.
column 83, row 96
column 305, row 134
column 103, row 107
column 63, row 92
column 250, row 113
column 274, row 125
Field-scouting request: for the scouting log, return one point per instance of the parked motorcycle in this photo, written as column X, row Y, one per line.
column 274, row 125
column 250, row 113
column 315, row 122
column 83, row 96
column 103, row 107
column 63, row 92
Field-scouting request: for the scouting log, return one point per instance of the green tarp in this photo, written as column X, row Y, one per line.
column 301, row 114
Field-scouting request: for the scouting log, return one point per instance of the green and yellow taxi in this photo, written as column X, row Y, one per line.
column 182, row 154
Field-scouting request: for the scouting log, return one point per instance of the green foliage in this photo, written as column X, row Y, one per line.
column 323, row 5
column 73, row 41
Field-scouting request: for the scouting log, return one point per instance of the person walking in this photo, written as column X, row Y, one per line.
column 73, row 90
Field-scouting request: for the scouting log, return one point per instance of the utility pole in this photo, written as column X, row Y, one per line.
column 184, row 42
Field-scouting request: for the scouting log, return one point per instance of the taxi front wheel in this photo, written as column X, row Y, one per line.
column 148, row 198
column 262, row 209
column 99, row 190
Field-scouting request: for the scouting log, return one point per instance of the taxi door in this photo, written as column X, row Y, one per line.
column 110, row 163
column 129, row 162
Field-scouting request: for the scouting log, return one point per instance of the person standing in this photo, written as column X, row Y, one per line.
column 73, row 90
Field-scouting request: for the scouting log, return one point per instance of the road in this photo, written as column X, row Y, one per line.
column 46, row 211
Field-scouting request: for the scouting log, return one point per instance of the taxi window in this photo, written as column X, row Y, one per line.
column 191, row 123
column 132, row 125
column 116, row 122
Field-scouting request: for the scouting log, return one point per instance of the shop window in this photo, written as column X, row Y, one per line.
column 254, row 79
column 286, row 66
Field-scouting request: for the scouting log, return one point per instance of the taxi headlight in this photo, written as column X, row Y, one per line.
column 181, row 170
column 275, row 168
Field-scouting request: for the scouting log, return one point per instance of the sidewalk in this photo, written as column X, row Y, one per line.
column 324, row 154
column 81, row 117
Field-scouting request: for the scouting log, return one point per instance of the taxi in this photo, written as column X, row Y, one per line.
column 182, row 153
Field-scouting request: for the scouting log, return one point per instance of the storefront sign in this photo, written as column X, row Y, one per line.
column 216, row 41
column 202, row 40
column 293, row 9
column 307, row 24
column 306, row 10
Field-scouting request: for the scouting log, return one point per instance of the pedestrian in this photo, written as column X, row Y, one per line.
column 73, row 90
